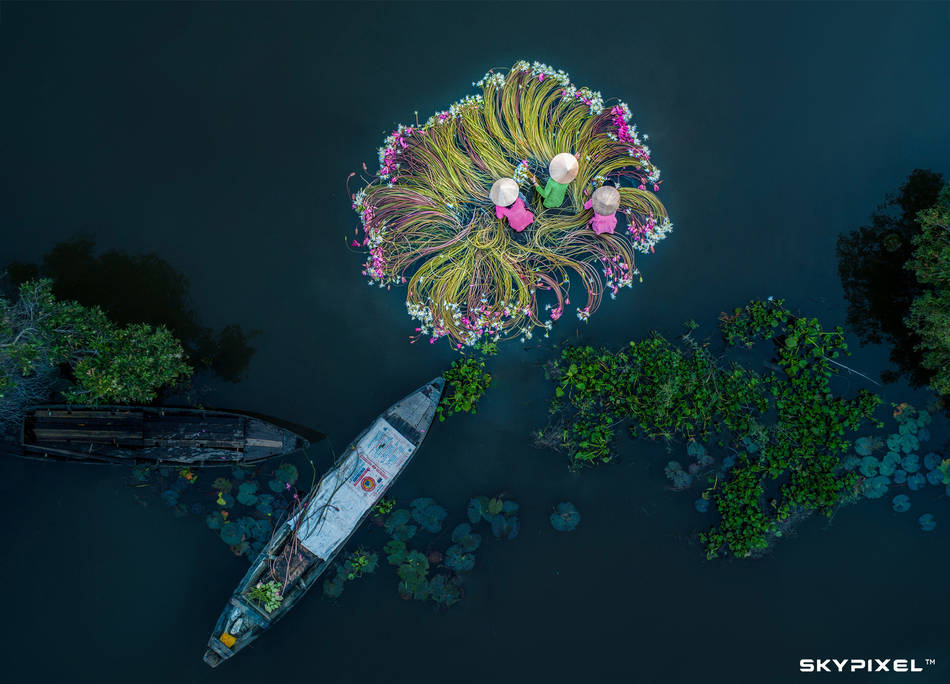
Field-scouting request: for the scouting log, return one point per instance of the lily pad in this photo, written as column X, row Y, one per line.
column 247, row 493
column 231, row 533
column 911, row 463
column 935, row 477
column 428, row 514
column 701, row 505
column 458, row 559
column 932, row 461
column 901, row 503
column 900, row 476
column 565, row 517
column 916, row 482
column 863, row 446
column 927, row 522
column 465, row 538
column 875, row 487
column 505, row 527
column 869, row 466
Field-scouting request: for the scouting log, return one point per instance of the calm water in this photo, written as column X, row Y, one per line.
column 220, row 136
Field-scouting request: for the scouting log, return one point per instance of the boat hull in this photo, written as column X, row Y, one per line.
column 136, row 435
column 306, row 545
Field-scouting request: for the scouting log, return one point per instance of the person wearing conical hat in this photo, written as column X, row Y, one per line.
column 562, row 169
column 605, row 201
column 508, row 204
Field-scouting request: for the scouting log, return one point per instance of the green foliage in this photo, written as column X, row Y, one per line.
column 930, row 312
column 787, row 427
column 267, row 594
column 665, row 390
column 108, row 363
column 467, row 381
column 878, row 287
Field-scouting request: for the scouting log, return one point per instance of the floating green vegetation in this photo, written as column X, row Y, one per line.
column 107, row 363
column 233, row 507
column 900, row 466
column 428, row 514
column 429, row 222
column 467, row 381
column 434, row 574
column 354, row 565
column 785, row 429
column 268, row 594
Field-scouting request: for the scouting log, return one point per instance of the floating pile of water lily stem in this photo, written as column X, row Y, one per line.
column 429, row 223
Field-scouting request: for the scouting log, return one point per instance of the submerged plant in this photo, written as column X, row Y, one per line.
column 429, row 223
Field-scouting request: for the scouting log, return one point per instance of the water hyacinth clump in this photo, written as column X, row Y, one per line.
column 565, row 517
column 428, row 221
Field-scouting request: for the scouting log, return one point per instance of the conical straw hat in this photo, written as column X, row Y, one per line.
column 563, row 168
column 606, row 200
column 504, row 192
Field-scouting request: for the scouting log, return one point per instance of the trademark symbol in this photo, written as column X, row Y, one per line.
column 930, row 661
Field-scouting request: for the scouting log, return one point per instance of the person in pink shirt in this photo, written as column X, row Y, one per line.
column 605, row 201
column 504, row 194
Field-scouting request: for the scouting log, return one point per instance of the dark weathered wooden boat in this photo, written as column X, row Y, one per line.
column 305, row 546
column 146, row 434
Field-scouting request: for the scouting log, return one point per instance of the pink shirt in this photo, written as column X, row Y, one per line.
column 518, row 216
column 601, row 224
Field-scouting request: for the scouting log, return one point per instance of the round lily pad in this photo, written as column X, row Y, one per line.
column 701, row 505
column 901, row 503
column 231, row 533
column 916, row 481
column 927, row 522
column 565, row 517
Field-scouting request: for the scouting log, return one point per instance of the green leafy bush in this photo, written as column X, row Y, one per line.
column 107, row 363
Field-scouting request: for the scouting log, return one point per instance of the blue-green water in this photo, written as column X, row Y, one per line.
column 220, row 136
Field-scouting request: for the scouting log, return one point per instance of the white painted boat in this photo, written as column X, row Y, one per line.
column 306, row 545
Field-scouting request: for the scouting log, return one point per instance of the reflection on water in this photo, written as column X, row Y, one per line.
column 878, row 288
column 140, row 288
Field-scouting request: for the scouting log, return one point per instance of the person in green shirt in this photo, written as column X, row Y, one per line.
column 562, row 169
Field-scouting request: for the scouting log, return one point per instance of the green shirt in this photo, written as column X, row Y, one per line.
column 553, row 193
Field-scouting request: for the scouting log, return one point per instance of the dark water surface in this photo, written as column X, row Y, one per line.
column 220, row 136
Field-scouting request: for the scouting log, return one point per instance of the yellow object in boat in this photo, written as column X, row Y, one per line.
column 227, row 639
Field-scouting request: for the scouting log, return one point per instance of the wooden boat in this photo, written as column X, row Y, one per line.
column 147, row 434
column 305, row 546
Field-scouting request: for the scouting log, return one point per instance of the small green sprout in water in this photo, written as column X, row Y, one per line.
column 267, row 594
column 384, row 506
